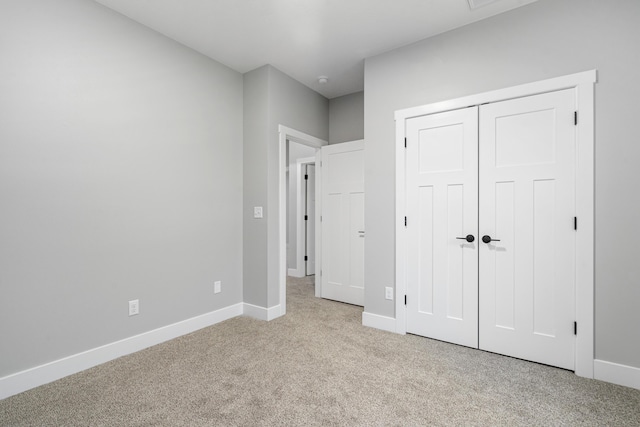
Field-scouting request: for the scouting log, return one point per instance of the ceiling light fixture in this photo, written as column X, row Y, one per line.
column 323, row 80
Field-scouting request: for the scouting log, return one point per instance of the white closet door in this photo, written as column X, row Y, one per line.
column 527, row 184
column 442, row 209
column 343, row 222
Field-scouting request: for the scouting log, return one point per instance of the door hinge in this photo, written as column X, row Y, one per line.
column 320, row 218
column 306, row 217
column 575, row 328
column 575, row 222
column 575, row 118
column 405, row 143
column 306, row 258
column 306, row 177
column 405, row 221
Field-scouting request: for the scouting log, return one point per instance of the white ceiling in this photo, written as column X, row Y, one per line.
column 305, row 38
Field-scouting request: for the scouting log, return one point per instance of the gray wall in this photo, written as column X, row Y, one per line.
column 254, row 237
column 346, row 118
column 283, row 101
column 546, row 39
column 120, row 178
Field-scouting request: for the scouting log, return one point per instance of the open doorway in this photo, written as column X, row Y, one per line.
column 310, row 219
column 300, row 209
column 288, row 135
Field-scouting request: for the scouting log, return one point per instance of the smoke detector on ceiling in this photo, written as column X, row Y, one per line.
column 474, row 4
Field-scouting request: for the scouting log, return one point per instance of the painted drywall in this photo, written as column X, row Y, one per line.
column 346, row 118
column 254, row 236
column 546, row 39
column 295, row 151
column 283, row 101
column 120, row 179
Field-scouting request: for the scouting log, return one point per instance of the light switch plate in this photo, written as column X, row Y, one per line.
column 388, row 293
column 257, row 212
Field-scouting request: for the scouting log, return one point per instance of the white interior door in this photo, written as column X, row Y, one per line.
column 442, row 200
column 343, row 222
column 527, row 203
column 310, row 223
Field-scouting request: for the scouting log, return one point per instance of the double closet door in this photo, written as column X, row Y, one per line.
column 490, row 225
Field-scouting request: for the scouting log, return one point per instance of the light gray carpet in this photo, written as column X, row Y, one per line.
column 318, row 366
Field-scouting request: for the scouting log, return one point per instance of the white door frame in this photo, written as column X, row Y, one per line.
column 311, row 141
column 583, row 83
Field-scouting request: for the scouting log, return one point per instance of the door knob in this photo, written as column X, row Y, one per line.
column 488, row 239
column 469, row 238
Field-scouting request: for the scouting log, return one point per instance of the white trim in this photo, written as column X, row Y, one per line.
column 261, row 313
column 583, row 83
column 528, row 89
column 616, row 373
column 401, row 243
column 318, row 213
column 301, row 193
column 379, row 322
column 304, row 139
column 585, row 236
column 43, row 374
column 294, row 272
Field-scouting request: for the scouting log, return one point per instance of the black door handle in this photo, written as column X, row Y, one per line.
column 469, row 238
column 488, row 239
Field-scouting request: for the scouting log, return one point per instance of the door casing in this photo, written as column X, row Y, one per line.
column 583, row 83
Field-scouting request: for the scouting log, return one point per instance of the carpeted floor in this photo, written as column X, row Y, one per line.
column 319, row 366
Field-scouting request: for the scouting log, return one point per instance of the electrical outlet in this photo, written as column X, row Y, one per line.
column 388, row 293
column 257, row 212
column 134, row 307
column 217, row 287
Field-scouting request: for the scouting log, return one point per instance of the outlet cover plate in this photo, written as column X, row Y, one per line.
column 134, row 307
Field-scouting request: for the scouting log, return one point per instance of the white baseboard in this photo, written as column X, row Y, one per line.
column 294, row 272
column 379, row 322
column 43, row 374
column 615, row 373
column 262, row 313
